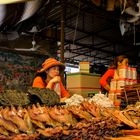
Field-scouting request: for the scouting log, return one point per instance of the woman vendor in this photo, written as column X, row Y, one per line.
column 112, row 72
column 49, row 77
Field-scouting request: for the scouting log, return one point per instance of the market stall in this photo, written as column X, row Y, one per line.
column 31, row 113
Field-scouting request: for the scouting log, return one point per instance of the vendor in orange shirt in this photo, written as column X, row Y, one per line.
column 112, row 72
column 49, row 77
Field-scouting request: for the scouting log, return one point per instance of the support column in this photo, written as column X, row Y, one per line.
column 62, row 31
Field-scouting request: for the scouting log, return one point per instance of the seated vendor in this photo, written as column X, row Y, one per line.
column 49, row 77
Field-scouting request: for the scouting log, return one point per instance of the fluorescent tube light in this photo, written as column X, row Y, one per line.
column 12, row 1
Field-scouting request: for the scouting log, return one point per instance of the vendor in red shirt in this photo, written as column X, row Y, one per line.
column 49, row 77
column 112, row 71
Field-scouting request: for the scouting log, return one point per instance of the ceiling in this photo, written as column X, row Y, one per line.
column 92, row 31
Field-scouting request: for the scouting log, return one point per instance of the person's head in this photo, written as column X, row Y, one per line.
column 120, row 61
column 53, row 71
column 52, row 67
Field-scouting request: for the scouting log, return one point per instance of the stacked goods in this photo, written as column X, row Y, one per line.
column 83, row 83
column 84, row 67
column 126, row 76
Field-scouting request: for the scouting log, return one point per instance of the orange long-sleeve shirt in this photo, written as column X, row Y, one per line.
column 108, row 74
column 38, row 82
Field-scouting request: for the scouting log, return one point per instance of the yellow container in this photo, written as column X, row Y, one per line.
column 84, row 67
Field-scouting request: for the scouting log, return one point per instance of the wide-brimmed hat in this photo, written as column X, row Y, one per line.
column 50, row 62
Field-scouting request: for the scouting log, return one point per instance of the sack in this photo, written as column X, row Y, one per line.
column 43, row 96
column 31, row 96
column 14, row 97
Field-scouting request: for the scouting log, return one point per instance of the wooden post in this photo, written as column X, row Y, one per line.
column 62, row 31
column 62, row 39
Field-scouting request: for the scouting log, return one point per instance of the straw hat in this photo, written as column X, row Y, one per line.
column 50, row 62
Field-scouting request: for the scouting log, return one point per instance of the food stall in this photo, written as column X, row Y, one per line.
column 39, row 114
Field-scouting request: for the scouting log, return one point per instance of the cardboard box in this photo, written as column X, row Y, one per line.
column 84, row 67
column 83, row 83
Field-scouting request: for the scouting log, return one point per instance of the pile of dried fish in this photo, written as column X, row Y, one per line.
column 74, row 100
column 89, row 130
column 137, row 105
column 84, row 121
column 102, row 100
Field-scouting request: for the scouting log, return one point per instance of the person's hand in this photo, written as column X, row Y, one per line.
column 55, row 79
column 107, row 87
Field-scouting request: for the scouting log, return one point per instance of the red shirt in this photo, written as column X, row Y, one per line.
column 108, row 74
column 38, row 82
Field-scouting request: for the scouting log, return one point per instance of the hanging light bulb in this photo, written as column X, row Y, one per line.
column 12, row 1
